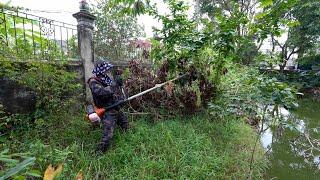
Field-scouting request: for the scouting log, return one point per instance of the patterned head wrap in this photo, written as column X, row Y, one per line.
column 100, row 70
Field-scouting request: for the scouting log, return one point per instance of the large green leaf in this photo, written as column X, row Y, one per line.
column 18, row 168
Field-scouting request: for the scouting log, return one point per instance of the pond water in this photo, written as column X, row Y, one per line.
column 295, row 154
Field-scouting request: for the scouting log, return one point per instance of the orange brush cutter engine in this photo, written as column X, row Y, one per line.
column 94, row 114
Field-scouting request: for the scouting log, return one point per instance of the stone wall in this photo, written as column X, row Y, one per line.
column 19, row 99
column 16, row 98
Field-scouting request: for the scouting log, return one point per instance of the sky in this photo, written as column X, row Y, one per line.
column 65, row 8
column 62, row 10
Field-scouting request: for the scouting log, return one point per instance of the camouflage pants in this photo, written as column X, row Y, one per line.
column 109, row 121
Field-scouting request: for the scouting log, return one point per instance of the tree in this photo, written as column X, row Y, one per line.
column 246, row 50
column 114, row 30
column 302, row 23
column 273, row 21
column 306, row 35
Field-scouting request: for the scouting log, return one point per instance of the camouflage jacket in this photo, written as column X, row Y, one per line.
column 103, row 95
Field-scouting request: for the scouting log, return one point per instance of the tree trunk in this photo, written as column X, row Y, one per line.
column 283, row 65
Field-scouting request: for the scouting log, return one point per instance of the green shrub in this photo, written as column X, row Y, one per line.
column 307, row 62
column 57, row 91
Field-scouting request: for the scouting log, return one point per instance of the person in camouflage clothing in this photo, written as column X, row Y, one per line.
column 106, row 90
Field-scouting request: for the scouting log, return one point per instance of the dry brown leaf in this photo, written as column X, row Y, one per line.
column 169, row 88
column 51, row 172
column 79, row 175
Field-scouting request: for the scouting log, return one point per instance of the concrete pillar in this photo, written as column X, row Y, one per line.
column 85, row 42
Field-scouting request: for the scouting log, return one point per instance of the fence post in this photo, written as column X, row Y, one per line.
column 85, row 42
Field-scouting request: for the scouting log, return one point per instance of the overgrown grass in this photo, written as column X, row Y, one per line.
column 198, row 147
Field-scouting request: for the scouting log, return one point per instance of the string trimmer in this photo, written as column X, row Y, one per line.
column 95, row 114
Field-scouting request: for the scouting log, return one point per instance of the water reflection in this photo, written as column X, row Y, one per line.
column 292, row 154
column 266, row 139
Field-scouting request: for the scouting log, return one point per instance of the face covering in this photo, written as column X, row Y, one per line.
column 101, row 70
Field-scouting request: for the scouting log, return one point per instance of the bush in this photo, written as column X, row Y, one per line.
column 174, row 97
column 307, row 62
column 55, row 87
column 246, row 93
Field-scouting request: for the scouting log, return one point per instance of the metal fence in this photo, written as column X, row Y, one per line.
column 26, row 36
